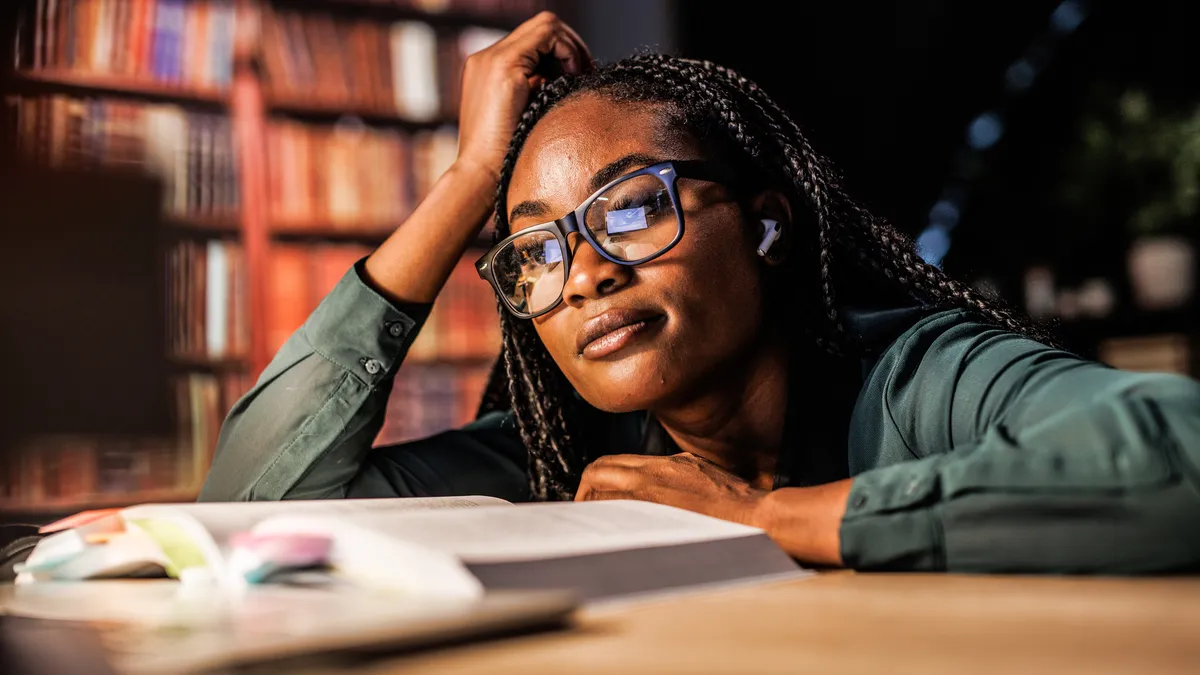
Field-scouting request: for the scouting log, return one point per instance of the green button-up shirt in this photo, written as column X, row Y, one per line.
column 971, row 448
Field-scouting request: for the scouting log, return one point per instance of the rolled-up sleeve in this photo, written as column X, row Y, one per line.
column 979, row 450
column 304, row 428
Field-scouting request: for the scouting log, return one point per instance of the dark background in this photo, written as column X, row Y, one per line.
column 887, row 89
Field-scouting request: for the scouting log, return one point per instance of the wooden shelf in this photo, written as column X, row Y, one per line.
column 330, row 111
column 235, row 364
column 454, row 361
column 204, row 226
column 350, row 235
column 403, row 9
column 68, row 505
column 327, row 233
column 82, row 82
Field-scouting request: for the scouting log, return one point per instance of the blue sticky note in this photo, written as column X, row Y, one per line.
column 625, row 220
column 551, row 251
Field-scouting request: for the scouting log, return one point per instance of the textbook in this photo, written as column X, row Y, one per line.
column 444, row 547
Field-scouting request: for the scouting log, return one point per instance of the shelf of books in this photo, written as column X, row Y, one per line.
column 172, row 49
column 354, row 140
column 142, row 85
column 357, row 118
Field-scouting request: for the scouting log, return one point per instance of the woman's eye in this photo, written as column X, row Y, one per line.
column 649, row 201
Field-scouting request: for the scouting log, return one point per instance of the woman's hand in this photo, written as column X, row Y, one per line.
column 684, row 480
column 497, row 81
column 805, row 521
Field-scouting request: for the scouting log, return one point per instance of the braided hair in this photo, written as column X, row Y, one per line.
column 843, row 253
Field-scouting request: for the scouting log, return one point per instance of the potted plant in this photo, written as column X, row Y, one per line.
column 1139, row 164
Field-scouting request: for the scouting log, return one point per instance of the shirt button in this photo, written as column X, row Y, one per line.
column 860, row 501
column 372, row 366
column 396, row 329
column 912, row 488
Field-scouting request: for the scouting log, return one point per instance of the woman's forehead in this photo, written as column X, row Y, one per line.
column 576, row 140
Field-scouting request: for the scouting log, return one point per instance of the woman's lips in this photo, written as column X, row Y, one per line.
column 613, row 330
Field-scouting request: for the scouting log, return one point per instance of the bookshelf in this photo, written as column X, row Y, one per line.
column 296, row 106
column 281, row 170
column 61, row 80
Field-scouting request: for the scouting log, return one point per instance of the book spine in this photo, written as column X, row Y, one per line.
column 120, row 45
column 195, row 177
column 64, row 55
column 141, row 42
column 50, row 35
column 218, row 300
column 168, row 38
column 38, row 32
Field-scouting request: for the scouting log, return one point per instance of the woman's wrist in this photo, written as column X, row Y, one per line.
column 805, row 521
column 415, row 261
column 482, row 173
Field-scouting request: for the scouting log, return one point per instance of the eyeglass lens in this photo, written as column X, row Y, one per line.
column 632, row 220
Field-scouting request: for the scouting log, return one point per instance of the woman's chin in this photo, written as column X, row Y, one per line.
column 636, row 382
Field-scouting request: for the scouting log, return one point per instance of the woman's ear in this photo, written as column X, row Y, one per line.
column 773, row 214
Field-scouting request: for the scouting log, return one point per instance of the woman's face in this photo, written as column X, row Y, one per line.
column 672, row 327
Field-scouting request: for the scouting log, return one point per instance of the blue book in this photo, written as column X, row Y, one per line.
column 169, row 21
column 220, row 42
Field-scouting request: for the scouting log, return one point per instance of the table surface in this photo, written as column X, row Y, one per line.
column 843, row 622
column 864, row 623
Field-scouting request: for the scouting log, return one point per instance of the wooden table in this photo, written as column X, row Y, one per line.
column 865, row 623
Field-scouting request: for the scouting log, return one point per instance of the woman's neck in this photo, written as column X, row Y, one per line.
column 737, row 420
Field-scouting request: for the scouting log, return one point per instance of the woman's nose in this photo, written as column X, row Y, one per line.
column 592, row 276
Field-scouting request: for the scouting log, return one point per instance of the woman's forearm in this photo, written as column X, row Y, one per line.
column 805, row 521
column 415, row 261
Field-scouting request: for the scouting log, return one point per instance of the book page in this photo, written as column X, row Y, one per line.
column 532, row 531
column 222, row 520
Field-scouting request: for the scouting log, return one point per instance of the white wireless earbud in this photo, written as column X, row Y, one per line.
column 771, row 233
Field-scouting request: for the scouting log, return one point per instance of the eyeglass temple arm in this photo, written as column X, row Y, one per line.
column 702, row 170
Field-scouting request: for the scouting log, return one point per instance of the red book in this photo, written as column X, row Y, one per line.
column 330, row 264
column 141, row 15
column 289, row 299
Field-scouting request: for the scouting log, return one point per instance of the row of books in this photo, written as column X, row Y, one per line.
column 427, row 399
column 191, row 152
column 500, row 8
column 72, row 469
column 206, row 292
column 462, row 326
column 299, row 276
column 350, row 177
column 406, row 67
column 176, row 42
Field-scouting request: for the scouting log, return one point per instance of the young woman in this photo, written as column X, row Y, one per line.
column 695, row 313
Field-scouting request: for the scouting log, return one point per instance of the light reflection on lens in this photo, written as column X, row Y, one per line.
column 529, row 271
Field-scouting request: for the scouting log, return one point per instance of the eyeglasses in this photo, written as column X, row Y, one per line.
column 629, row 221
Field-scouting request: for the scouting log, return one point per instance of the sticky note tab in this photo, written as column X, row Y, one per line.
column 625, row 220
column 78, row 520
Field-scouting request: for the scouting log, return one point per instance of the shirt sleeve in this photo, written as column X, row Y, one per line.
column 305, row 428
column 979, row 450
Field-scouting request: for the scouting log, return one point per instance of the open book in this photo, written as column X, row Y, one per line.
column 450, row 547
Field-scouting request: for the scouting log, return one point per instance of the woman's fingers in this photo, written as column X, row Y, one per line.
column 585, row 54
column 549, row 36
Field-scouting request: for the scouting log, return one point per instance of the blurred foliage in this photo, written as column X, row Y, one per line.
column 1136, row 163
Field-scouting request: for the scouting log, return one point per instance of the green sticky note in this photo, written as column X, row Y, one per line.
column 177, row 547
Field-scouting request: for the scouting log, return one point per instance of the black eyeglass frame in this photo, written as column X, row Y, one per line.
column 668, row 172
